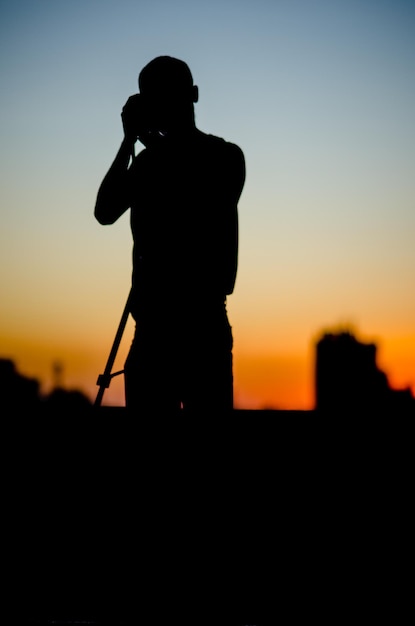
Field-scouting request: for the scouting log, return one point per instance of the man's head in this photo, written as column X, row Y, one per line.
column 166, row 83
column 167, row 76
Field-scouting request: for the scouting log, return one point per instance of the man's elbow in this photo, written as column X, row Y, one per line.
column 103, row 217
column 106, row 212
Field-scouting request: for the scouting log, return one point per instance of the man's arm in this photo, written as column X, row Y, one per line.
column 113, row 196
column 236, row 181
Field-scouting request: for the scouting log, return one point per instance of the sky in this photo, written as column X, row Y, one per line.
column 320, row 96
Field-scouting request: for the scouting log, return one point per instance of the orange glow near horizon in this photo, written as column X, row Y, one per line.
column 396, row 357
column 261, row 381
column 273, row 381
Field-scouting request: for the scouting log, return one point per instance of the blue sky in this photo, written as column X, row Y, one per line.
column 320, row 96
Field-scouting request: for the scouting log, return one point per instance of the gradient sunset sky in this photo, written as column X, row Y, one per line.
column 320, row 96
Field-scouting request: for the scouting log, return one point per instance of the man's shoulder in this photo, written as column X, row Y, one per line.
column 215, row 139
column 222, row 145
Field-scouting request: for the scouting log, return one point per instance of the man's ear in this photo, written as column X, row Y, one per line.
column 195, row 93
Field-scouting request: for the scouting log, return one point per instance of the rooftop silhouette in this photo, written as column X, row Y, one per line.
column 22, row 392
column 347, row 378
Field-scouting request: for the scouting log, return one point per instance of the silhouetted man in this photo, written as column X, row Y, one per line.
column 183, row 189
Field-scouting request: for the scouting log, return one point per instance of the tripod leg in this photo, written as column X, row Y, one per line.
column 105, row 378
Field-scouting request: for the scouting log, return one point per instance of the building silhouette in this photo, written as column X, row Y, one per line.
column 17, row 390
column 21, row 392
column 347, row 379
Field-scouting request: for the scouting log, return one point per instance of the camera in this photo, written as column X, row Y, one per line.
column 138, row 120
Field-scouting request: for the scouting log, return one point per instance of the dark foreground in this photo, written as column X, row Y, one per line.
column 262, row 517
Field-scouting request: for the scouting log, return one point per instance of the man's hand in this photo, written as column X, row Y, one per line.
column 132, row 118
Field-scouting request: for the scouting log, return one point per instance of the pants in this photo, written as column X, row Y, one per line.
column 181, row 361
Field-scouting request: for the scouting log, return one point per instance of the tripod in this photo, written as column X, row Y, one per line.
column 105, row 378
